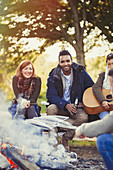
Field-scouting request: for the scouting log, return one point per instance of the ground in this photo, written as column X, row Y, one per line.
column 86, row 152
column 88, row 158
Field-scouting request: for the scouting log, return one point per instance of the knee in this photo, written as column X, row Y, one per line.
column 52, row 109
column 103, row 142
column 31, row 109
column 99, row 141
column 83, row 117
column 31, row 112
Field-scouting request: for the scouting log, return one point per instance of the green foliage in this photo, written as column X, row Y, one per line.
column 95, row 66
column 41, row 98
column 43, row 67
column 82, row 143
column 52, row 21
column 6, row 85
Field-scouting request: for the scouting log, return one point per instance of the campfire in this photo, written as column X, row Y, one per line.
column 3, row 151
column 16, row 159
column 26, row 146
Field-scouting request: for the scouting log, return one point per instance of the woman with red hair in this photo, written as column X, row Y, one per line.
column 26, row 87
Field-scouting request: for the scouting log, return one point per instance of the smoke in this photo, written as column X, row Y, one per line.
column 38, row 146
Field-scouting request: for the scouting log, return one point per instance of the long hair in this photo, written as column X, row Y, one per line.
column 22, row 65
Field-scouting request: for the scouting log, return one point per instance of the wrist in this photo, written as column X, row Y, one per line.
column 65, row 106
column 78, row 131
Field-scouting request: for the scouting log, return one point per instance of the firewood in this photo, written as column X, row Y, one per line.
column 15, row 155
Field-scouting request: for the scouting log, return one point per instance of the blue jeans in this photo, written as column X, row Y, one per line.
column 102, row 114
column 13, row 109
column 105, row 147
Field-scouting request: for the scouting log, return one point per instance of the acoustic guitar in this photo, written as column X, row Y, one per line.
column 91, row 104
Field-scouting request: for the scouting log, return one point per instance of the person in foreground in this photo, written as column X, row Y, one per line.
column 103, row 82
column 103, row 129
column 26, row 87
column 65, row 86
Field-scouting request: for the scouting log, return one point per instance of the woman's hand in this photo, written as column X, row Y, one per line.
column 25, row 103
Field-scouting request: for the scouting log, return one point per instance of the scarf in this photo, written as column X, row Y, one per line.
column 106, row 83
column 26, row 86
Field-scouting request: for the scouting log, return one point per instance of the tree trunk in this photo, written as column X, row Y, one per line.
column 80, row 53
column 80, row 57
column 79, row 30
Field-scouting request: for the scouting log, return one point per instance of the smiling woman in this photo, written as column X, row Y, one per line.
column 27, row 71
column 26, row 87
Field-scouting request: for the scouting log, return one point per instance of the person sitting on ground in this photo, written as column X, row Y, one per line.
column 65, row 85
column 103, row 129
column 103, row 82
column 26, row 87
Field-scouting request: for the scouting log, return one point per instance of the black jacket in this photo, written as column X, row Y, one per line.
column 81, row 81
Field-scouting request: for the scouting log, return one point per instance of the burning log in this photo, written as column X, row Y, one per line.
column 3, row 162
column 15, row 155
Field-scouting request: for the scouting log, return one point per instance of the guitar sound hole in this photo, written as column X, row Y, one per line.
column 109, row 96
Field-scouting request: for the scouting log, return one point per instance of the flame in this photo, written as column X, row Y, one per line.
column 23, row 147
column 11, row 163
column 4, row 145
column 22, row 152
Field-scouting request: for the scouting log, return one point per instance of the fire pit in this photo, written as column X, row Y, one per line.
column 39, row 148
column 27, row 146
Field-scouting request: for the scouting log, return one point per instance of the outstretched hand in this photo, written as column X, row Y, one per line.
column 78, row 133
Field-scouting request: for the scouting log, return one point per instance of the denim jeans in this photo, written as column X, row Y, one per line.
column 102, row 114
column 105, row 147
column 25, row 113
column 13, row 109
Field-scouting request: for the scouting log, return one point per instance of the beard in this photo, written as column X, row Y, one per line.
column 66, row 71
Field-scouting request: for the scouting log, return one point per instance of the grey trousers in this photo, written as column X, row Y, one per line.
column 26, row 113
column 76, row 120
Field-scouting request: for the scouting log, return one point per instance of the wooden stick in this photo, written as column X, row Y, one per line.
column 17, row 158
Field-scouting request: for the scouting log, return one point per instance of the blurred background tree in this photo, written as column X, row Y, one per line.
column 52, row 20
column 95, row 66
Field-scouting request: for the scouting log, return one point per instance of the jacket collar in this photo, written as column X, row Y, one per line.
column 56, row 72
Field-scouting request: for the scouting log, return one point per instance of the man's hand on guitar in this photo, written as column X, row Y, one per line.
column 71, row 108
column 105, row 104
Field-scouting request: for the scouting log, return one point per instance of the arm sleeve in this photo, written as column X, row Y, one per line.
column 36, row 91
column 52, row 94
column 15, row 88
column 97, row 89
column 98, row 127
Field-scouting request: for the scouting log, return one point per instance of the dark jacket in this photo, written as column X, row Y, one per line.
column 97, row 88
column 81, row 81
column 33, row 98
column 36, row 91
